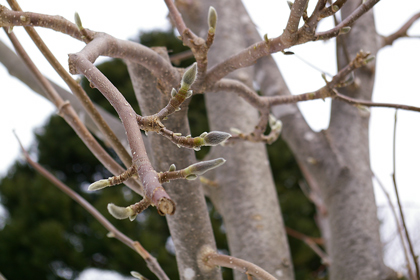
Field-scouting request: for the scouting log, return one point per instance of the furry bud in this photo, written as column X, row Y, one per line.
column 189, row 76
column 215, row 138
column 212, row 19
column 99, row 185
column 120, row 213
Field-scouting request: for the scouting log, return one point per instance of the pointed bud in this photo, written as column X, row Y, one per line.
column 189, row 76
column 173, row 92
column 110, row 234
column 78, row 21
column 215, row 138
column 191, row 177
column 172, row 168
column 290, row 4
column 369, row 59
column 335, row 8
column 344, row 30
column 189, row 94
column 235, row 130
column 275, row 124
column 202, row 167
column 212, row 19
column 99, row 185
column 120, row 213
column 137, row 275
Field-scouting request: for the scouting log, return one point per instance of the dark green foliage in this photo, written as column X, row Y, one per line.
column 46, row 230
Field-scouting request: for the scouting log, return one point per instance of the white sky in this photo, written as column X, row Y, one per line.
column 397, row 77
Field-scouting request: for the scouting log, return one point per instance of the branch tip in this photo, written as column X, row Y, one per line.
column 120, row 213
column 212, row 19
column 189, row 77
column 215, row 137
column 99, row 185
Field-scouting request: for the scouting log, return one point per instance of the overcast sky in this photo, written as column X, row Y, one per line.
column 397, row 75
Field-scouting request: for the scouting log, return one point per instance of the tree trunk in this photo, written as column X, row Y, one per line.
column 246, row 197
column 190, row 226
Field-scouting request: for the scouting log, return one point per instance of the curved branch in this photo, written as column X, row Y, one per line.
column 80, row 63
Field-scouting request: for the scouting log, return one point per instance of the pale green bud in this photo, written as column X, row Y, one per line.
column 202, row 167
column 235, row 130
column 191, row 177
column 137, row 275
column 78, row 21
column 110, row 234
column 99, row 185
column 172, row 167
column 189, row 76
column 212, row 19
column 344, row 30
column 215, row 138
column 173, row 92
column 290, row 4
column 369, row 59
column 189, row 94
column 120, row 213
column 335, row 8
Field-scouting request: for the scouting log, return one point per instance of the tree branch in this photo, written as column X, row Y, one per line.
column 402, row 32
column 410, row 244
column 210, row 259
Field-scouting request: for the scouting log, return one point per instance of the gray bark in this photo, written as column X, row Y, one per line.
column 246, row 198
column 190, row 226
column 356, row 248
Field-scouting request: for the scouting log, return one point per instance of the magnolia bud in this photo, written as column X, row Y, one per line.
column 189, row 76
column 344, row 30
column 215, row 138
column 137, row 275
column 78, row 21
column 202, row 167
column 212, row 18
column 120, row 213
column 172, row 167
column 99, row 185
column 173, row 92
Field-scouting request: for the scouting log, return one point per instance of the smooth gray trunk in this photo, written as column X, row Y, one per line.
column 190, row 226
column 246, row 197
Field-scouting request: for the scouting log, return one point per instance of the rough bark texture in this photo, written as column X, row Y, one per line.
column 190, row 225
column 246, row 198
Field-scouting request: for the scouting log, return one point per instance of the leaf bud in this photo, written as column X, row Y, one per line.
column 212, row 19
column 137, row 275
column 215, row 138
column 369, row 59
column 120, row 213
column 173, row 92
column 344, row 30
column 235, row 130
column 200, row 168
column 191, row 177
column 78, row 21
column 99, row 185
column 172, row 167
column 335, row 8
column 290, row 4
column 189, row 76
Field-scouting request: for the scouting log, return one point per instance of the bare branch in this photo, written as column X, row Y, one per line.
column 80, row 63
column 402, row 32
column 10, row 18
column 209, row 259
column 363, row 8
column 398, row 224
column 410, row 244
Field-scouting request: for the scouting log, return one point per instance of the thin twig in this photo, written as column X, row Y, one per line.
column 410, row 244
column 135, row 245
column 398, row 224
column 312, row 243
column 209, row 258
column 402, row 32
